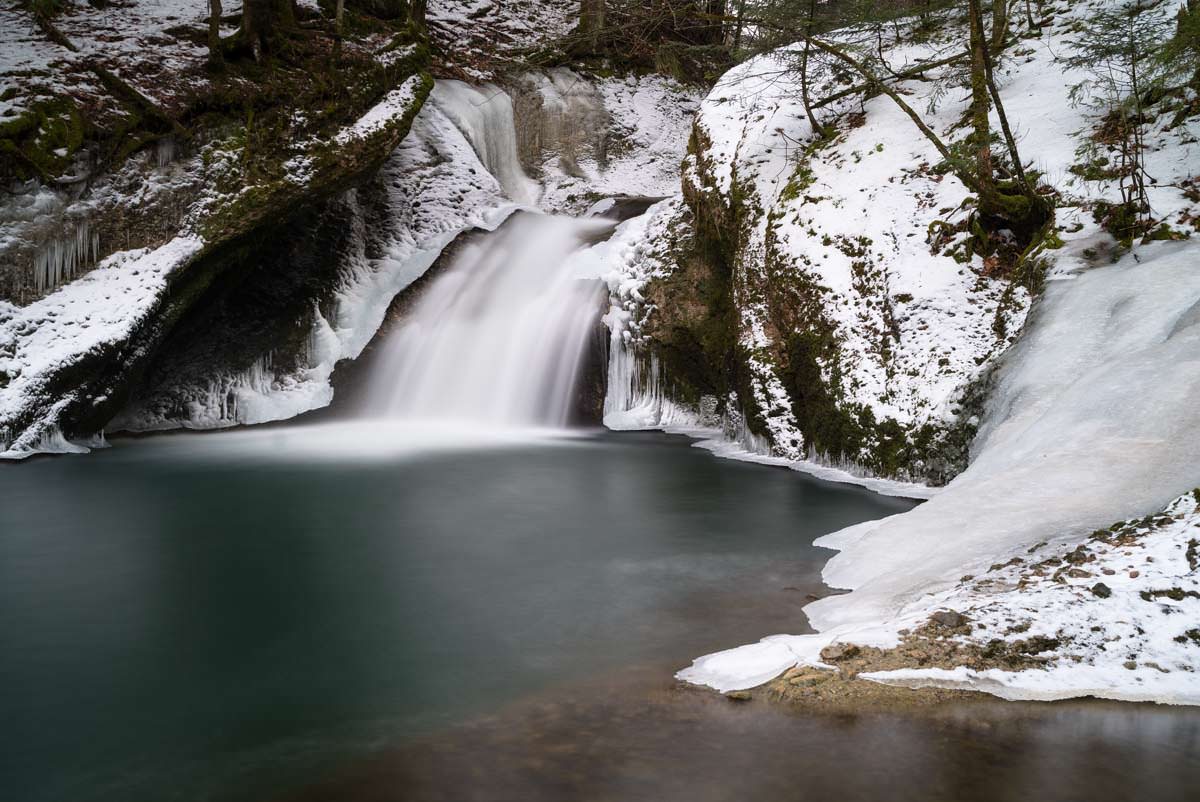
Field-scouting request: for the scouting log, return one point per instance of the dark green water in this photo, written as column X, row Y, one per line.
column 257, row 616
column 178, row 616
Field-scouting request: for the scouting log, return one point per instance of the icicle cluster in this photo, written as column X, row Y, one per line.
column 222, row 401
column 64, row 257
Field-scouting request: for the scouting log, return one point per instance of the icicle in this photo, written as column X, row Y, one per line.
column 64, row 257
column 164, row 151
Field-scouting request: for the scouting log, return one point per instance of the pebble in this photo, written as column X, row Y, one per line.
column 1102, row 590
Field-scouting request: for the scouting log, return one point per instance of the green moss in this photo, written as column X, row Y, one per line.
column 1163, row 232
column 42, row 140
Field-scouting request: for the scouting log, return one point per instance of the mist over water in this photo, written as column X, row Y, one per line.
column 499, row 337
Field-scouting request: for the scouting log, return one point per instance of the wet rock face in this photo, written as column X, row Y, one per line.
column 593, row 380
column 262, row 305
column 560, row 118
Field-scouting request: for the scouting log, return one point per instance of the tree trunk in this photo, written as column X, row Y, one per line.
column 416, row 13
column 215, row 57
column 1009, row 140
column 999, row 24
column 263, row 23
column 591, row 24
column 339, row 14
column 713, row 30
column 979, row 107
column 817, row 129
column 258, row 27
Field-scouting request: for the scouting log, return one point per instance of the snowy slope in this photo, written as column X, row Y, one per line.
column 82, row 320
column 1092, row 416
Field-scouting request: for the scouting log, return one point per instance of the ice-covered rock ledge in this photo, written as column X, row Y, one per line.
column 68, row 358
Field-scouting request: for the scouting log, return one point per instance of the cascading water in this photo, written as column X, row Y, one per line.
column 499, row 338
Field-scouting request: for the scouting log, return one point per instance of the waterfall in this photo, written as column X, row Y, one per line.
column 500, row 336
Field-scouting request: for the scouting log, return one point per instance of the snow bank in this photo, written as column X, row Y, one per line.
column 1120, row 615
column 1092, row 417
column 395, row 104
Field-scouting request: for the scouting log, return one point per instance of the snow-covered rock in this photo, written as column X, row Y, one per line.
column 1090, row 417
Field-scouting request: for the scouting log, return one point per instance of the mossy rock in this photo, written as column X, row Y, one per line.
column 41, row 142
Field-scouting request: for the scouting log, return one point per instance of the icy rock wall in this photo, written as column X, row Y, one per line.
column 459, row 168
column 268, row 352
column 562, row 118
column 484, row 115
column 61, row 258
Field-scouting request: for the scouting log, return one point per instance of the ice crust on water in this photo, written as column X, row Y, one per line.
column 1094, row 419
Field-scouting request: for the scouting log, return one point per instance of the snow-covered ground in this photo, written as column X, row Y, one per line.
column 477, row 38
column 1092, row 416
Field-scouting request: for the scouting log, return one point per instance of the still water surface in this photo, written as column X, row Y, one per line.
column 273, row 615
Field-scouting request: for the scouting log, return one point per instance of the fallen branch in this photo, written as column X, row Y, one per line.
column 912, row 72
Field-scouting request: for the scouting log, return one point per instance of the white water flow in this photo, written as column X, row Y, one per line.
column 500, row 336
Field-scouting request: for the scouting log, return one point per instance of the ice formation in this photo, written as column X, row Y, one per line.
column 485, row 117
column 61, row 258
